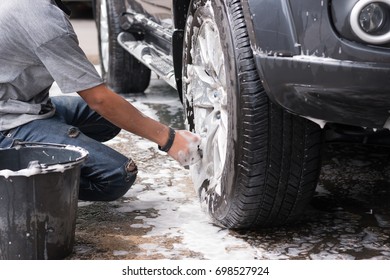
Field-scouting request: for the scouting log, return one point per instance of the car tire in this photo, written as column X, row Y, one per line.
column 260, row 164
column 121, row 71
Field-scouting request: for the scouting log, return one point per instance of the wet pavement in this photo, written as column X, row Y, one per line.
column 161, row 218
column 349, row 217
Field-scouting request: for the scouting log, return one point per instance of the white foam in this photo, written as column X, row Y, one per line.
column 180, row 218
column 36, row 168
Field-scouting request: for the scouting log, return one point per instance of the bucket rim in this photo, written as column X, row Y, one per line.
column 44, row 168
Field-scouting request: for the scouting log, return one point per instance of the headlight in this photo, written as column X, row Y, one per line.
column 372, row 18
column 370, row 21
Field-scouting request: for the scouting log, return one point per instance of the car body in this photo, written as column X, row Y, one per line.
column 260, row 81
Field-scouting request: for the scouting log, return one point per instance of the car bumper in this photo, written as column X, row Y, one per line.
column 327, row 89
column 310, row 69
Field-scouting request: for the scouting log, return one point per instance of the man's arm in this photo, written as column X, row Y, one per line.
column 124, row 115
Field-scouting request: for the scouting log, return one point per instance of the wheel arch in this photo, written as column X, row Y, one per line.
column 268, row 39
column 180, row 11
column 281, row 38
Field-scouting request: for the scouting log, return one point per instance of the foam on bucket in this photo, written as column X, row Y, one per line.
column 39, row 186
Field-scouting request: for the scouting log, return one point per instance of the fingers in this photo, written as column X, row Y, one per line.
column 186, row 148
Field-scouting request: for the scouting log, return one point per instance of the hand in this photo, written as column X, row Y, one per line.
column 186, row 148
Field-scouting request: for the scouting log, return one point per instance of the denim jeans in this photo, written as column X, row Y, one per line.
column 106, row 174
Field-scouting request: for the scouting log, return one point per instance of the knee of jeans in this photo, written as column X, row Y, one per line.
column 129, row 175
column 119, row 191
column 73, row 132
column 119, row 184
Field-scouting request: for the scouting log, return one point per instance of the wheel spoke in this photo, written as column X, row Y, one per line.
column 221, row 73
column 202, row 74
column 222, row 132
column 206, row 42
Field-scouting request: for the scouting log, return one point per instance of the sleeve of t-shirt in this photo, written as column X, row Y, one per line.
column 68, row 64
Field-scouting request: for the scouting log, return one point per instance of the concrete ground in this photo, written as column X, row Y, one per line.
column 160, row 217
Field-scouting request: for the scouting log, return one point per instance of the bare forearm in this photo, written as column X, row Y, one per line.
column 124, row 115
column 185, row 146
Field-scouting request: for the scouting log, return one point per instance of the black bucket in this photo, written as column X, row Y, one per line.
column 39, row 186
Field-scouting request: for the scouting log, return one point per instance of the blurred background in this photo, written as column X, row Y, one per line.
column 84, row 25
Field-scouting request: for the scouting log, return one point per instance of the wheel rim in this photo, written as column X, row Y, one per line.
column 104, row 36
column 207, row 93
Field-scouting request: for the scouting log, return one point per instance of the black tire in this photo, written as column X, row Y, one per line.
column 120, row 70
column 272, row 159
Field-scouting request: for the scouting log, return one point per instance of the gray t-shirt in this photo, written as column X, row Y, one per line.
column 37, row 47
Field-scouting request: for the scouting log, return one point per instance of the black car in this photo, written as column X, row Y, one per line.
column 261, row 81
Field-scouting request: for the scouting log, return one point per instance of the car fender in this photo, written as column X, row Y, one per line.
column 279, row 39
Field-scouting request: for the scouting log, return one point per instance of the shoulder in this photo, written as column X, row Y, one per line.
column 28, row 8
column 40, row 20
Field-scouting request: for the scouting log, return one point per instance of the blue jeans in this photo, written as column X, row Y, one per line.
column 106, row 174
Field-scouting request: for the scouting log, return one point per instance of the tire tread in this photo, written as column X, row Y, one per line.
column 280, row 160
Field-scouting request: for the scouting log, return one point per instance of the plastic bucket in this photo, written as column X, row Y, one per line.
column 39, row 186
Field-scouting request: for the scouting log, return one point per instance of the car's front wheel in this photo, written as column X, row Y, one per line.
column 260, row 164
column 121, row 71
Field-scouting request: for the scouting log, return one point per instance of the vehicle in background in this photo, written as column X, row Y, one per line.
column 262, row 81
